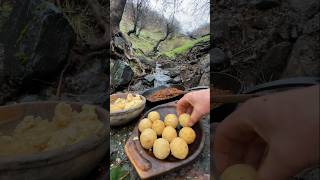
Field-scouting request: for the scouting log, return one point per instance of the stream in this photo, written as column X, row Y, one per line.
column 160, row 77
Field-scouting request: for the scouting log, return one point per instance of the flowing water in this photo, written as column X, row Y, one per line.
column 160, row 77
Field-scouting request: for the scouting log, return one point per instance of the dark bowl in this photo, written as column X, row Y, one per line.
column 225, row 82
column 149, row 92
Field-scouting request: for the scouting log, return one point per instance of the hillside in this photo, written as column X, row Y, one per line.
column 178, row 44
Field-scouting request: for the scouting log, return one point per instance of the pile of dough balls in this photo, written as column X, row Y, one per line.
column 124, row 104
column 169, row 140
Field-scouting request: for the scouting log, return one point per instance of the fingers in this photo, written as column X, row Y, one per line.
column 195, row 117
column 231, row 139
column 183, row 104
column 273, row 168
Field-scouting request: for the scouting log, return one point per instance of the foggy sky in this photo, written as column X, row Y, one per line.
column 188, row 20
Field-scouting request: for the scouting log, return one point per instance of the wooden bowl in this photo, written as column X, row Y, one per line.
column 146, row 164
column 70, row 162
column 122, row 117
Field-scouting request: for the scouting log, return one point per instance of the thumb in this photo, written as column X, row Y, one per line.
column 196, row 115
column 274, row 168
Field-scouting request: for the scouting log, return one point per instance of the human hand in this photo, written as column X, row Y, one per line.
column 278, row 134
column 196, row 103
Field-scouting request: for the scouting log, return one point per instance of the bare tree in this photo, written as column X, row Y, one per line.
column 172, row 23
column 138, row 8
column 116, row 8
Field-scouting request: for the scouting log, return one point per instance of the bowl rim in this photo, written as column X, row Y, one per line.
column 56, row 156
column 129, row 110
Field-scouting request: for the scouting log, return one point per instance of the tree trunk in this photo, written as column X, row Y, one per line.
column 168, row 32
column 138, row 32
column 134, row 30
column 117, row 8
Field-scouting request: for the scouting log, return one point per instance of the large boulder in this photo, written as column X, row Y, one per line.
column 305, row 57
column 121, row 74
column 312, row 25
column 306, row 7
column 36, row 41
column 274, row 62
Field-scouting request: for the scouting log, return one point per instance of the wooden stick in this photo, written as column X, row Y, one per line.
column 234, row 98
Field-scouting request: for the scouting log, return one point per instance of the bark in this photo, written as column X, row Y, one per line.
column 117, row 8
column 137, row 12
column 168, row 32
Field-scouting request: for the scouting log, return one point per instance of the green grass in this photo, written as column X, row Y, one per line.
column 185, row 47
column 148, row 38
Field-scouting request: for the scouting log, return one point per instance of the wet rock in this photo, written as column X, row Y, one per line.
column 304, row 57
column 138, row 87
column 218, row 56
column 121, row 74
column 37, row 39
column 220, row 29
column 176, row 80
column 204, row 63
column 312, row 25
column 120, row 43
column 264, row 4
column 308, row 8
column 205, row 79
column 274, row 62
column 218, row 59
column 190, row 75
column 149, row 78
column 172, row 72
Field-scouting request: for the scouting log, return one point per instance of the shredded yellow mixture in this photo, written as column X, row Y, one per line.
column 124, row 104
column 34, row 134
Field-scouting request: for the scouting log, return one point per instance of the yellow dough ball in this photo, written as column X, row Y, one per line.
column 184, row 120
column 171, row 120
column 239, row 172
column 147, row 138
column 161, row 148
column 144, row 124
column 169, row 133
column 179, row 148
column 153, row 116
column 158, row 127
column 187, row 134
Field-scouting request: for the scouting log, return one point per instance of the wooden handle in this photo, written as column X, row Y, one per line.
column 232, row 98
column 140, row 161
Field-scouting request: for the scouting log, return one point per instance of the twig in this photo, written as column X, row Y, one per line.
column 58, row 94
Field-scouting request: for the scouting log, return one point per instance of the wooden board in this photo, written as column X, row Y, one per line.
column 145, row 163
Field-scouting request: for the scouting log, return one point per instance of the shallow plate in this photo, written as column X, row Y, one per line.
column 144, row 161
